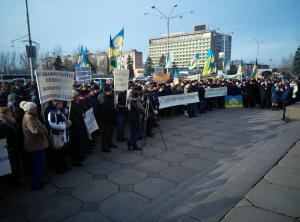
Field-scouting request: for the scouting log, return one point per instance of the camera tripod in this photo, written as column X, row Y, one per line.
column 154, row 116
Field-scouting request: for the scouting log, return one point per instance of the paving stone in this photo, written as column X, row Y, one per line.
column 87, row 217
column 126, row 188
column 201, row 143
column 171, row 156
column 90, row 206
column 153, row 174
column 151, row 150
column 223, row 148
column 188, row 150
column 71, row 179
column 290, row 161
column 13, row 219
column 284, row 176
column 177, row 174
column 25, row 197
column 295, row 150
column 179, row 139
column 197, row 164
column 175, row 164
column 244, row 203
column 152, row 165
column 185, row 218
column 95, row 190
column 250, row 214
column 276, row 198
column 153, row 187
column 213, row 156
column 92, row 159
column 123, row 206
column 100, row 176
column 126, row 176
column 213, row 139
column 103, row 167
column 233, row 142
column 7, row 209
column 64, row 192
column 54, row 209
column 127, row 158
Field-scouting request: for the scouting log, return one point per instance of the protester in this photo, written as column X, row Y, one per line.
column 35, row 141
column 58, row 122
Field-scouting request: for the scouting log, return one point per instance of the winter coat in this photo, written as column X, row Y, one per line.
column 275, row 94
column 286, row 96
column 57, row 121
column 134, row 113
column 35, row 133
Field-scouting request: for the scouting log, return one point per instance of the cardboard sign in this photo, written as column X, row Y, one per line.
column 161, row 77
column 55, row 85
column 121, row 78
column 90, row 121
column 83, row 74
column 180, row 99
column 5, row 167
column 193, row 77
column 233, row 102
column 215, row 92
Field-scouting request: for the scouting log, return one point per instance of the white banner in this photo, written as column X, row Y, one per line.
column 5, row 167
column 55, row 85
column 90, row 121
column 193, row 77
column 121, row 78
column 83, row 74
column 180, row 99
column 215, row 92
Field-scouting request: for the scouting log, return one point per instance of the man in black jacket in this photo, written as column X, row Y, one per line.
column 107, row 118
column 135, row 111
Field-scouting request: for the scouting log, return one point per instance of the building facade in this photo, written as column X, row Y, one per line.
column 137, row 58
column 185, row 46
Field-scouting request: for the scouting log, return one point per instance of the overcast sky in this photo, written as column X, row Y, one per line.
column 69, row 23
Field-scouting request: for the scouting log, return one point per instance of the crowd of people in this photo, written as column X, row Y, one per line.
column 55, row 132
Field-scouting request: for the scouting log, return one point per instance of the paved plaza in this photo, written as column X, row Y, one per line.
column 211, row 163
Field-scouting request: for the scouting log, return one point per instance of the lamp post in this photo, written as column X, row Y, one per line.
column 168, row 17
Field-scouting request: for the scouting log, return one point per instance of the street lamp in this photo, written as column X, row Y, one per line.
column 168, row 17
column 236, row 28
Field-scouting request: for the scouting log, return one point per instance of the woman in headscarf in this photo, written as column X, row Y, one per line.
column 35, row 141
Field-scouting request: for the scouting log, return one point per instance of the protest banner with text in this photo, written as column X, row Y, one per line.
column 83, row 74
column 215, row 92
column 180, row 99
column 90, row 121
column 121, row 78
column 55, row 85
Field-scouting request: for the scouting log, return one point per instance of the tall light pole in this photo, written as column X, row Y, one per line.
column 30, row 50
column 168, row 17
column 258, row 42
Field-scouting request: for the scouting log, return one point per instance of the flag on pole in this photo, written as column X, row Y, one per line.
column 227, row 68
column 79, row 60
column 194, row 62
column 84, row 62
column 170, row 60
column 115, row 49
column 208, row 65
column 241, row 67
column 255, row 69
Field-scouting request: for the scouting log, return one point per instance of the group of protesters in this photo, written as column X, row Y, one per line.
column 28, row 126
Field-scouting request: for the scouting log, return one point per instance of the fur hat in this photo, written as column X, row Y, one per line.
column 27, row 106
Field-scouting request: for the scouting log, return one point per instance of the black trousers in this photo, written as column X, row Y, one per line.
column 107, row 134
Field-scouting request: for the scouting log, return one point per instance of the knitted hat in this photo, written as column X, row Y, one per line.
column 26, row 106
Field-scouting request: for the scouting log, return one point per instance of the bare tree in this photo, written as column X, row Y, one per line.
column 286, row 64
column 4, row 62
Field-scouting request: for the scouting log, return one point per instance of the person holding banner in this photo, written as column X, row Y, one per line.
column 59, row 124
column 35, row 141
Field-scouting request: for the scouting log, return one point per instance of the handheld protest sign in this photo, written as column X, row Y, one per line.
column 55, row 85
column 83, row 75
column 121, row 79
column 161, row 77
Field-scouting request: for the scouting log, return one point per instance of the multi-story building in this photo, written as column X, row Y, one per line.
column 185, row 45
column 137, row 58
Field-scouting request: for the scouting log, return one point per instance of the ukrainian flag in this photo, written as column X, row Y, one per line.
column 208, row 65
column 227, row 68
column 255, row 69
column 241, row 68
column 118, row 42
column 79, row 60
column 195, row 62
column 84, row 62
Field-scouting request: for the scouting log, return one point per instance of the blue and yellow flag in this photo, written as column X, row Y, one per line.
column 118, row 40
column 79, row 60
column 255, row 69
column 209, row 63
column 195, row 62
column 227, row 68
column 241, row 68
